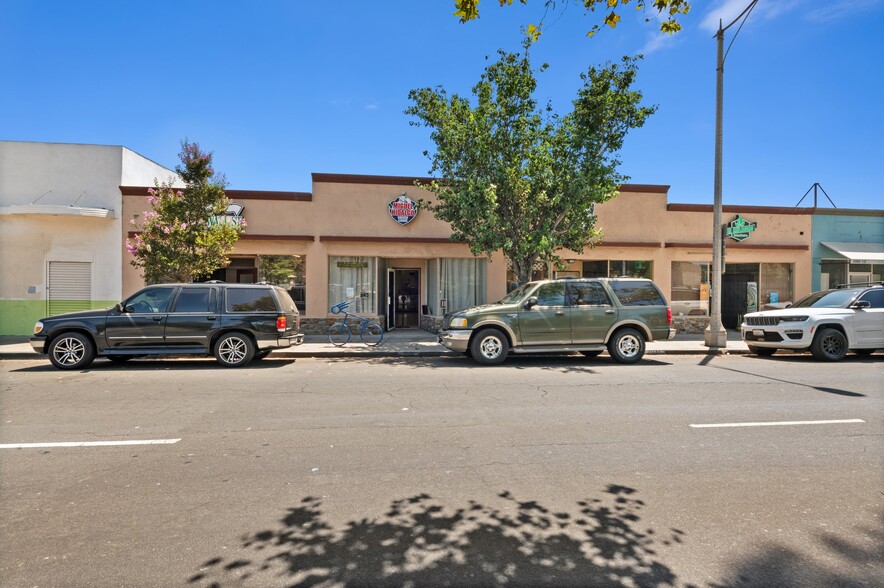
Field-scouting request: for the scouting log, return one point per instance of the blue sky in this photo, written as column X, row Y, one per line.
column 278, row 89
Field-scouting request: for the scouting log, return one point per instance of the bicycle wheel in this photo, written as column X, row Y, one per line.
column 371, row 334
column 339, row 334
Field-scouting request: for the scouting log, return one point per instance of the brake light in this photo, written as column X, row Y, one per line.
column 668, row 316
column 280, row 324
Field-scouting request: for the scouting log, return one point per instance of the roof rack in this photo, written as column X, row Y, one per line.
column 859, row 284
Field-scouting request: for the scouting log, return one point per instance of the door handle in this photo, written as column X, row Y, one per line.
column 560, row 313
column 609, row 312
column 157, row 318
column 211, row 317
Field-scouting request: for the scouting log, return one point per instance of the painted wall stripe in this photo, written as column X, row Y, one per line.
column 88, row 443
column 777, row 423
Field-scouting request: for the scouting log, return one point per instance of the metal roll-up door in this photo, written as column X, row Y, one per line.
column 70, row 286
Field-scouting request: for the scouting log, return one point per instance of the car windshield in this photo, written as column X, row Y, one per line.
column 827, row 299
column 517, row 294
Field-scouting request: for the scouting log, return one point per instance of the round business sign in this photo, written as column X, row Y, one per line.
column 403, row 209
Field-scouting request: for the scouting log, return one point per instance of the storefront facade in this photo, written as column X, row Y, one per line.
column 60, row 227
column 848, row 247
column 361, row 238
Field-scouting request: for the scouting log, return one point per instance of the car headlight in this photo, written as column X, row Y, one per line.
column 793, row 319
column 37, row 328
column 458, row 323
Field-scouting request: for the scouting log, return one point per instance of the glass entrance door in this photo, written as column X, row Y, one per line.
column 391, row 299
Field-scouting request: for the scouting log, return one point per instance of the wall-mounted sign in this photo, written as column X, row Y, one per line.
column 232, row 216
column 403, row 209
column 739, row 229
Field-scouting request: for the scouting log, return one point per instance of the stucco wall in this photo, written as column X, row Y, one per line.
column 843, row 226
column 58, row 180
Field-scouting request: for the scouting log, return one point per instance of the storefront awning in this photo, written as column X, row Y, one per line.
column 858, row 252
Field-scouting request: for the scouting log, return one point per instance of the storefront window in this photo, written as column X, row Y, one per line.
column 595, row 269
column 833, row 273
column 630, row 269
column 775, row 284
column 286, row 271
column 433, row 287
column 618, row 269
column 353, row 279
column 462, row 283
column 690, row 288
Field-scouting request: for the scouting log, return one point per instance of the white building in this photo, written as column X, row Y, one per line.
column 61, row 227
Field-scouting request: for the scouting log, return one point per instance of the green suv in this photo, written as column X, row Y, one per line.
column 587, row 315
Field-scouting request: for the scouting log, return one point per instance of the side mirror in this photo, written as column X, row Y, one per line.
column 788, row 305
column 530, row 303
column 119, row 307
column 861, row 304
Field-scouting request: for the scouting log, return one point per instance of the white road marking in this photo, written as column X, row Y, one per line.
column 778, row 423
column 88, row 443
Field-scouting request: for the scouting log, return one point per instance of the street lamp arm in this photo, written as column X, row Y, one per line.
column 743, row 15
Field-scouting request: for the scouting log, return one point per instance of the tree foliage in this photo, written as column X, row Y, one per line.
column 668, row 10
column 521, row 179
column 185, row 235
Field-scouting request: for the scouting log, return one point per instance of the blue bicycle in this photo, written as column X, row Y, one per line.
column 339, row 334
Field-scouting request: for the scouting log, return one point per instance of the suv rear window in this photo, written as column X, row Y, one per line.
column 637, row 293
column 288, row 305
column 249, row 300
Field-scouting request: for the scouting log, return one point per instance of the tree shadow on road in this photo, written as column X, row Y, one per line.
column 419, row 542
column 851, row 563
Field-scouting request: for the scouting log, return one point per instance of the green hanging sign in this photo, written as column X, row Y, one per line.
column 740, row 229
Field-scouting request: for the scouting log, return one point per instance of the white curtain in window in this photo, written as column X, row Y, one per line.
column 433, row 287
column 353, row 279
column 462, row 283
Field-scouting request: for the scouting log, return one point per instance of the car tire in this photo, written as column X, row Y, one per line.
column 489, row 347
column 829, row 345
column 71, row 351
column 591, row 353
column 234, row 350
column 627, row 346
column 762, row 351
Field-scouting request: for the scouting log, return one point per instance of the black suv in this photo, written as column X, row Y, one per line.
column 235, row 322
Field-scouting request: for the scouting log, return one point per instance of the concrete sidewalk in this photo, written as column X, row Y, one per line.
column 413, row 343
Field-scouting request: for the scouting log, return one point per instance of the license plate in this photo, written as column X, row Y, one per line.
column 758, row 332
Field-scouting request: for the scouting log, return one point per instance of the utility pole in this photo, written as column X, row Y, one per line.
column 715, row 335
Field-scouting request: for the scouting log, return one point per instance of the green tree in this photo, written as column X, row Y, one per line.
column 185, row 235
column 520, row 179
column 670, row 10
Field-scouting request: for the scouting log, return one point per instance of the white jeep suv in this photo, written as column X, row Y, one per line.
column 828, row 323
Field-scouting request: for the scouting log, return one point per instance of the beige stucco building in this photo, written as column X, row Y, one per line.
column 347, row 245
column 65, row 213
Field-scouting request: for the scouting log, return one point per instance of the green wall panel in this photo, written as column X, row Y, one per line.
column 17, row 317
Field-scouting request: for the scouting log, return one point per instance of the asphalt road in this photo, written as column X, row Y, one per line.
column 546, row 471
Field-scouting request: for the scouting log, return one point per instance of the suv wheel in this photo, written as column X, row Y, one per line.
column 627, row 346
column 489, row 347
column 829, row 345
column 71, row 351
column 234, row 350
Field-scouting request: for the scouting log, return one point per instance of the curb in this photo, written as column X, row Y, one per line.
column 335, row 354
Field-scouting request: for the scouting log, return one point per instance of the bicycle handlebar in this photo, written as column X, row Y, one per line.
column 340, row 307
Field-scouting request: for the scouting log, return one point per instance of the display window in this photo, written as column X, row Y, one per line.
column 288, row 272
column 354, row 279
